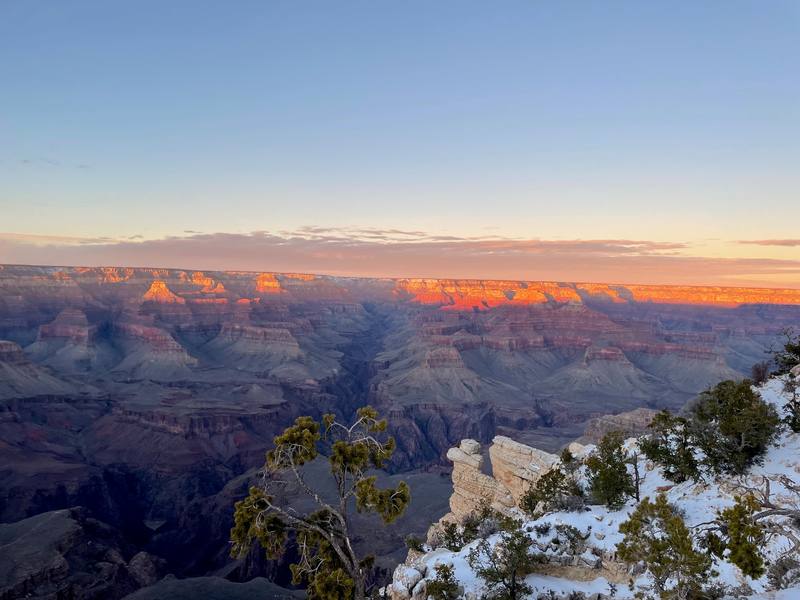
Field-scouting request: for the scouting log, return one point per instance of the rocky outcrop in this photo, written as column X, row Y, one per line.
column 11, row 353
column 66, row 554
column 70, row 325
column 20, row 377
column 514, row 467
column 630, row 424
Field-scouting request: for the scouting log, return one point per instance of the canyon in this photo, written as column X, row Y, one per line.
column 147, row 397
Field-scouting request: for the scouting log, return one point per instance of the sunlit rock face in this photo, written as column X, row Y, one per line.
column 159, row 292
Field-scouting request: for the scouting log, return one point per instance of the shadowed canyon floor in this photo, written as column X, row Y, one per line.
column 148, row 396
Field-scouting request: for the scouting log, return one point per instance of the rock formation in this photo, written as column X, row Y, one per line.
column 514, row 467
column 630, row 424
column 144, row 395
column 66, row 554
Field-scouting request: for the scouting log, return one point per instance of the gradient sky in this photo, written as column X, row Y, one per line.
column 634, row 141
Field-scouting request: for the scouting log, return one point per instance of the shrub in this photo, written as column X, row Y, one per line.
column 669, row 444
column 791, row 387
column 743, row 536
column 657, row 537
column 414, row 543
column 759, row 372
column 572, row 536
column 503, row 567
column 733, row 427
column 607, row 469
column 789, row 355
column 542, row 529
column 444, row 586
column 555, row 490
column 784, row 573
column 480, row 523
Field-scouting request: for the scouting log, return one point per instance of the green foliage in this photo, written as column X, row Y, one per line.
column 791, row 387
column 389, row 503
column 480, row 523
column 657, row 537
column 727, row 430
column 414, row 543
column 789, row 355
column 327, row 564
column 744, row 537
column 451, row 537
column 503, row 567
column 252, row 522
column 607, row 471
column 733, row 427
column 444, row 586
column 557, row 489
column 670, row 445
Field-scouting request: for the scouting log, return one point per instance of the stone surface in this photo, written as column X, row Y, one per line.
column 514, row 467
column 631, row 424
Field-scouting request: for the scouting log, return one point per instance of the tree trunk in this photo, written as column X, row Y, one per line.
column 360, row 592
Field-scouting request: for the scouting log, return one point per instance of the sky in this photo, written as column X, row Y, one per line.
column 641, row 142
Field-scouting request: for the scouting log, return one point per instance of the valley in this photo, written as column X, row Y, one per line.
column 148, row 397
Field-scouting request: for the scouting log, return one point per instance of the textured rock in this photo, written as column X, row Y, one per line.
column 514, row 467
column 796, row 371
column 631, row 424
column 159, row 292
column 65, row 554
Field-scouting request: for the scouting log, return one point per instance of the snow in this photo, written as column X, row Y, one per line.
column 698, row 502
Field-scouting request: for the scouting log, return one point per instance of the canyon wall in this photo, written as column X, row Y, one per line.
column 149, row 396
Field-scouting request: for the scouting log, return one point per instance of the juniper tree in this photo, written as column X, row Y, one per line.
column 327, row 561
column 657, row 537
column 741, row 536
column 670, row 445
column 732, row 426
column 607, row 471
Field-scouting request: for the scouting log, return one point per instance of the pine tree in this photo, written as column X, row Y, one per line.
column 327, row 562
column 503, row 567
column 610, row 482
column 657, row 537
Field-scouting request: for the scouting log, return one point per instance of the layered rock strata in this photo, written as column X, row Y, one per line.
column 514, row 467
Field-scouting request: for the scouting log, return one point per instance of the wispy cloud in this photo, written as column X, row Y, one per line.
column 400, row 253
column 787, row 243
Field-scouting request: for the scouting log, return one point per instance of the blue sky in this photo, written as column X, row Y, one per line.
column 669, row 122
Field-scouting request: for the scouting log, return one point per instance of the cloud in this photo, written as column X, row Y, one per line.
column 45, row 162
column 788, row 243
column 400, row 253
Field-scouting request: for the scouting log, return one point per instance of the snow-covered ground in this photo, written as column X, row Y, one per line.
column 600, row 526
